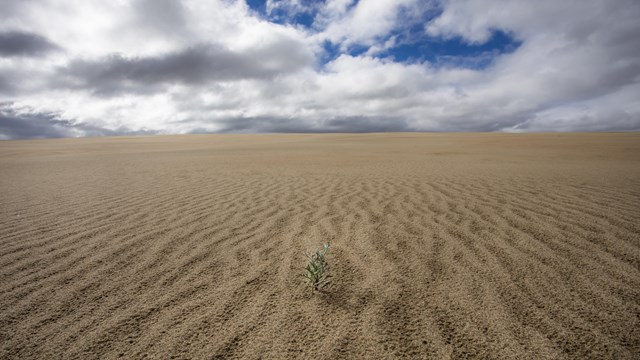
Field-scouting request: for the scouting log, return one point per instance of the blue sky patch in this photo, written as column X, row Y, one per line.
column 412, row 44
column 305, row 17
column 258, row 5
column 441, row 51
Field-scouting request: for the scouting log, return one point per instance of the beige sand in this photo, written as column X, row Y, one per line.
column 443, row 246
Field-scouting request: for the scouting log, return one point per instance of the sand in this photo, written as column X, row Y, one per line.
column 496, row 246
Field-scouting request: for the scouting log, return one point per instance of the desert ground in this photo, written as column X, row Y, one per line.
column 491, row 246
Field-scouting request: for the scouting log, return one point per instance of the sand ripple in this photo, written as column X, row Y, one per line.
column 443, row 246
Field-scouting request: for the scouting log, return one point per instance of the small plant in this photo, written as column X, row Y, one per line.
column 317, row 269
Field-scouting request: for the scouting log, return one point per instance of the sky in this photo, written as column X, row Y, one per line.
column 72, row 68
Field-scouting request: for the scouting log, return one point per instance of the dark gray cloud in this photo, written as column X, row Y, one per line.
column 6, row 85
column 33, row 125
column 349, row 124
column 193, row 66
column 18, row 43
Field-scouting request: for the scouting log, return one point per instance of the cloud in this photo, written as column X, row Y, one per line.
column 604, row 113
column 187, row 66
column 363, row 23
column 167, row 17
column 6, row 85
column 352, row 124
column 29, row 124
column 196, row 65
column 18, row 43
column 20, row 124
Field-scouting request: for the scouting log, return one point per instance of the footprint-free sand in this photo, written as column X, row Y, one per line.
column 497, row 246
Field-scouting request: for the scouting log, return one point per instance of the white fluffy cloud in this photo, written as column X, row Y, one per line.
column 364, row 23
column 70, row 68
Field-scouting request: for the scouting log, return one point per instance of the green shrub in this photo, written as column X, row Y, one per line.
column 317, row 269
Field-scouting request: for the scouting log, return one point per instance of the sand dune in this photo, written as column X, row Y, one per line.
column 442, row 246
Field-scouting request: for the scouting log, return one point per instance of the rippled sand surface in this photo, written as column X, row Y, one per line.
column 498, row 246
